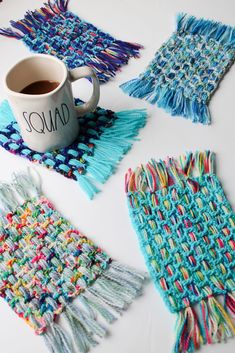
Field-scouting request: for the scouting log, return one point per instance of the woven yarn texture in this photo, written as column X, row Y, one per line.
column 54, row 30
column 187, row 69
column 186, row 230
column 44, row 262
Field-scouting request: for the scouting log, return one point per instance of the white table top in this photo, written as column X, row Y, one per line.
column 148, row 326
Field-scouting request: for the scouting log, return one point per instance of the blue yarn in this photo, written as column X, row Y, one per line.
column 57, row 340
column 172, row 101
column 207, row 28
column 6, row 114
column 87, row 185
column 114, row 143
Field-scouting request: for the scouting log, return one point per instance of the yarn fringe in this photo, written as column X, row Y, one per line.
column 112, row 145
column 23, row 187
column 160, row 175
column 209, row 29
column 35, row 19
column 212, row 324
column 106, row 62
column 230, row 303
column 172, row 101
column 104, row 301
column 6, row 114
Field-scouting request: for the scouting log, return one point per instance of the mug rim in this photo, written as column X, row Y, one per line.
column 43, row 95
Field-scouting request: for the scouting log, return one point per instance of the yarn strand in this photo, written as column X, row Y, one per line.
column 171, row 171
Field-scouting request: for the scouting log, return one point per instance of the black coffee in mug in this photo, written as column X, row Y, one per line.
column 40, row 87
column 46, row 114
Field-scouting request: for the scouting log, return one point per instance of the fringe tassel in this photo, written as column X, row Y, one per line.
column 83, row 328
column 209, row 29
column 230, row 303
column 8, row 32
column 160, row 175
column 108, row 297
column 57, row 339
column 212, row 325
column 108, row 61
column 113, row 144
column 188, row 332
column 86, row 184
column 62, row 5
column 23, row 187
column 172, row 101
column 6, row 114
column 222, row 325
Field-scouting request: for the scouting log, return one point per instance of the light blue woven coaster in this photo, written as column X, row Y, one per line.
column 187, row 69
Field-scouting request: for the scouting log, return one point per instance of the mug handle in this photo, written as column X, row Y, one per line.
column 84, row 72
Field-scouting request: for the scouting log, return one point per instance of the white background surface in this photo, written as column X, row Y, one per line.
column 147, row 327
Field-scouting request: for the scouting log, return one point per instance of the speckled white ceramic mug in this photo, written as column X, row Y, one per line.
column 48, row 121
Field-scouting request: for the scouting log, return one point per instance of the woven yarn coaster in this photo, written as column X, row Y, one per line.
column 186, row 230
column 187, row 69
column 48, row 269
column 104, row 138
column 54, row 30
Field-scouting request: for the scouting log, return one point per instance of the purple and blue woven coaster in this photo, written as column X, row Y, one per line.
column 54, row 30
column 187, row 69
column 104, row 138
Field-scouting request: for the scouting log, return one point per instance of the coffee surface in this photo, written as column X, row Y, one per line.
column 40, row 87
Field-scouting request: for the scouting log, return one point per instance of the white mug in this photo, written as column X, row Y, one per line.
column 48, row 121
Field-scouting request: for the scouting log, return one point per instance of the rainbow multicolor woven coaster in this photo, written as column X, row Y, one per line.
column 104, row 138
column 54, row 30
column 187, row 68
column 186, row 230
column 48, row 269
